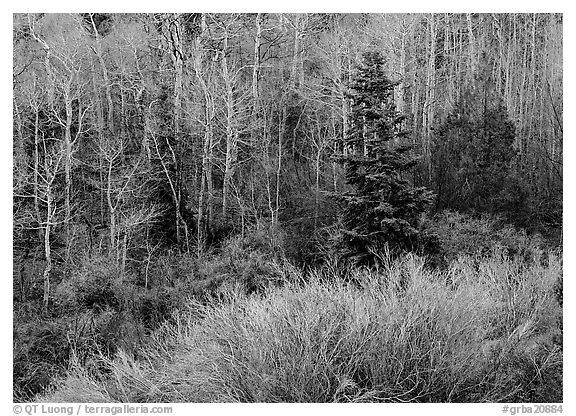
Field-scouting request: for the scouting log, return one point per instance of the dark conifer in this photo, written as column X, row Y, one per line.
column 380, row 205
column 473, row 153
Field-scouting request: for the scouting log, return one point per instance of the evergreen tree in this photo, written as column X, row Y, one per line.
column 381, row 205
column 473, row 153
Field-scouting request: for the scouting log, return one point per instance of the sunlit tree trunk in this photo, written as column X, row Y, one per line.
column 231, row 126
column 206, row 192
column 430, row 101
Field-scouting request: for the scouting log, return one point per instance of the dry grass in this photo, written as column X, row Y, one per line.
column 485, row 330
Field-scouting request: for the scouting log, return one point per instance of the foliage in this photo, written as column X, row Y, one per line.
column 100, row 285
column 382, row 205
column 460, row 235
column 40, row 354
column 473, row 154
column 95, row 285
column 402, row 334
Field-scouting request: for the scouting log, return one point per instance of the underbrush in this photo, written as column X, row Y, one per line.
column 485, row 329
column 102, row 308
column 460, row 234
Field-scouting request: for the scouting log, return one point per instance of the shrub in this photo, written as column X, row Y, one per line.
column 96, row 285
column 479, row 331
column 461, row 234
column 251, row 262
column 40, row 353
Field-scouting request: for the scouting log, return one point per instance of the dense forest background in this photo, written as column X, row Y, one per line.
column 145, row 142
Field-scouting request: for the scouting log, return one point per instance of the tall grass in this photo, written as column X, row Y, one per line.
column 483, row 330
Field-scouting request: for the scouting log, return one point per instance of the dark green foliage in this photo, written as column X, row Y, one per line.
column 473, row 153
column 381, row 205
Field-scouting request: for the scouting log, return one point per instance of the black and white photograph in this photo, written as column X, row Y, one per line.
column 260, row 207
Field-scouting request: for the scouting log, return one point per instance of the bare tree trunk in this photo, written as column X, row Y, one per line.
column 50, row 210
column 534, row 110
column 206, row 187
column 472, row 47
column 123, row 116
column 176, row 196
column 36, row 167
column 279, row 164
column 401, row 104
column 242, row 212
column 267, row 168
column 68, row 166
column 317, row 196
column 176, row 55
column 111, row 208
column 124, row 252
column 175, row 36
column 140, row 105
column 19, row 142
column 256, row 69
column 284, row 112
column 255, row 125
column 346, row 107
column 428, row 113
column 297, row 52
column 107, row 84
column 231, row 128
column 208, row 169
column 100, row 132
column 47, row 253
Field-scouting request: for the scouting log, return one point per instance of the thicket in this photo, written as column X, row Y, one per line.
column 120, row 342
column 474, row 156
column 101, row 309
column 486, row 329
